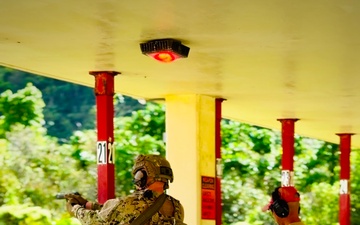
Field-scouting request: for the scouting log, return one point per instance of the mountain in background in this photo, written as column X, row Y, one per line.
column 69, row 107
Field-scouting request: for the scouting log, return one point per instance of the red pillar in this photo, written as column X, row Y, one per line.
column 218, row 198
column 287, row 161
column 104, row 91
column 344, row 200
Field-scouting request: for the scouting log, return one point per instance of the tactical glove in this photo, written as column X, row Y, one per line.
column 76, row 199
column 69, row 205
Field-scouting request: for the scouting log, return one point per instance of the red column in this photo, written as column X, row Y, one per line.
column 104, row 91
column 344, row 200
column 287, row 161
column 218, row 198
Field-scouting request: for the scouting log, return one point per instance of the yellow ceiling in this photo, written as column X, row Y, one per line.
column 269, row 59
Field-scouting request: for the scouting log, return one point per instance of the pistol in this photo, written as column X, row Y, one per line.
column 62, row 195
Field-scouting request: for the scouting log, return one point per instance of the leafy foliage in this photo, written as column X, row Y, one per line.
column 321, row 204
column 18, row 214
column 68, row 107
column 139, row 134
column 24, row 107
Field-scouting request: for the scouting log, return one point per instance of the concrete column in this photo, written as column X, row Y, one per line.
column 190, row 147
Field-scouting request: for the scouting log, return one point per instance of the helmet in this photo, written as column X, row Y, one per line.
column 154, row 166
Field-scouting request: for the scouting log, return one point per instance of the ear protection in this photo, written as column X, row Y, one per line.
column 140, row 179
column 279, row 206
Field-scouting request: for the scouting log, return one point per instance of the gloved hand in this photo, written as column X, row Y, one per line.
column 70, row 202
column 75, row 199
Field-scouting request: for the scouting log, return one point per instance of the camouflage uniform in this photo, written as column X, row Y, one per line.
column 124, row 210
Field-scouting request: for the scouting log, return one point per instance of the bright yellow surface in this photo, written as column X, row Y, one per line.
column 270, row 59
column 190, row 143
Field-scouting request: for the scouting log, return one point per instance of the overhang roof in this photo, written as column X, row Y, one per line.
column 269, row 59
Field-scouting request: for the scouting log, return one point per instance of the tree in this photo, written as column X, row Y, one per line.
column 251, row 162
column 140, row 133
column 23, row 107
column 68, row 107
column 32, row 163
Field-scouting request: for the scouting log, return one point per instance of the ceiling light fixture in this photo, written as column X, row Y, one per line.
column 165, row 50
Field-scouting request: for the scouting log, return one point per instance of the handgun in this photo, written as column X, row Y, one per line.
column 62, row 195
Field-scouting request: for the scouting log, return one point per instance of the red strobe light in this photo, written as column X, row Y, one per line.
column 165, row 50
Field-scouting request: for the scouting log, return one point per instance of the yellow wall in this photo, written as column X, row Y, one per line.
column 190, row 141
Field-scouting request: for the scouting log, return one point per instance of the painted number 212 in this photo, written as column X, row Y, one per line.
column 105, row 152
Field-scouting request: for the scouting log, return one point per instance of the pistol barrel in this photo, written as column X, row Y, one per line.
column 62, row 195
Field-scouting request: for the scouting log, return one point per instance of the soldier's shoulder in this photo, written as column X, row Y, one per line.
column 179, row 210
column 132, row 205
column 176, row 203
column 134, row 198
column 174, row 199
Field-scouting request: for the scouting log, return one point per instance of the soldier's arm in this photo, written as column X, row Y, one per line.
column 182, row 213
column 93, row 205
column 95, row 216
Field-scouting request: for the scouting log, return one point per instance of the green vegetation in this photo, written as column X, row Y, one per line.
column 69, row 107
column 39, row 159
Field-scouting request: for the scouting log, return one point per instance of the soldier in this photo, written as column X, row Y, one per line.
column 152, row 174
column 285, row 206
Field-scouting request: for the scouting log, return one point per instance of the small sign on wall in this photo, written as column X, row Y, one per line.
column 208, row 207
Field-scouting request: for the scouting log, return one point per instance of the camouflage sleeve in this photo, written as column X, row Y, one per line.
column 182, row 213
column 179, row 210
column 95, row 217
column 96, row 206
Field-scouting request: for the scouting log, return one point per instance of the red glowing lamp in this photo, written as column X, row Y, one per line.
column 165, row 50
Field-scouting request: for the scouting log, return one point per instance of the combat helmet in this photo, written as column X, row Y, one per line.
column 154, row 166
